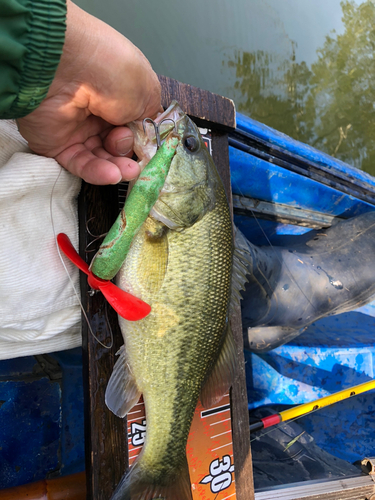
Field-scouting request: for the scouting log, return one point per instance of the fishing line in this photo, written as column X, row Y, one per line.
column 222, row 489
column 277, row 256
column 96, row 237
column 108, row 323
column 309, row 407
column 278, row 426
column 67, row 271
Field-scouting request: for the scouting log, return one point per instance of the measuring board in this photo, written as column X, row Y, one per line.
column 209, row 449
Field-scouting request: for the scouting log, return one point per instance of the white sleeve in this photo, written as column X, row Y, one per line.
column 39, row 311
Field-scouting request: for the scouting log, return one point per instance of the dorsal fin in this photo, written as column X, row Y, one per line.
column 242, row 266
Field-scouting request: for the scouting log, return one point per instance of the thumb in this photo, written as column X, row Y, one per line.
column 119, row 142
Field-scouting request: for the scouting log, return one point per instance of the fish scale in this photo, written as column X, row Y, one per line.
column 180, row 263
column 196, row 285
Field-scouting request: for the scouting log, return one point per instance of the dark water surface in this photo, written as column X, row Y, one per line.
column 304, row 67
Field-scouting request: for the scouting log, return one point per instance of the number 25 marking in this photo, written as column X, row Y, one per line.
column 138, row 433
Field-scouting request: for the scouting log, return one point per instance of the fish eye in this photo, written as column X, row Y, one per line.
column 191, row 143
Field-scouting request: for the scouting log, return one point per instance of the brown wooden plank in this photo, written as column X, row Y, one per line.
column 105, row 434
column 106, row 437
column 240, row 415
column 208, row 109
column 220, row 155
column 240, row 419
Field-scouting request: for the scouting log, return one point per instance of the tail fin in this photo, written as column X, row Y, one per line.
column 142, row 484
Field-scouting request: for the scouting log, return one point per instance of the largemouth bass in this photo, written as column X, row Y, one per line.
column 181, row 264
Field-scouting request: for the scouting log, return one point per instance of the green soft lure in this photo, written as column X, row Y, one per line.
column 140, row 201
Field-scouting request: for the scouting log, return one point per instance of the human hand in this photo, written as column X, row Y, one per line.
column 102, row 82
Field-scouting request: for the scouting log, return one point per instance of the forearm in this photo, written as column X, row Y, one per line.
column 32, row 34
column 76, row 112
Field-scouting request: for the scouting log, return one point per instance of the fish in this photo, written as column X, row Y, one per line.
column 181, row 263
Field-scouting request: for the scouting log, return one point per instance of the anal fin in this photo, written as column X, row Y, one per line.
column 122, row 392
column 222, row 374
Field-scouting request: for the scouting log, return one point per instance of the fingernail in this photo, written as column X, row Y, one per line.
column 125, row 145
column 119, row 179
column 131, row 176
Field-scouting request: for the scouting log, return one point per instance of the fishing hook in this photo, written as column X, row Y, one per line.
column 156, row 127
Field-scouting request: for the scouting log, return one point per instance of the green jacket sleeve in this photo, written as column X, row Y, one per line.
column 32, row 34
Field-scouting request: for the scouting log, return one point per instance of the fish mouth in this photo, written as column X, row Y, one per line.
column 170, row 120
column 145, row 143
column 173, row 118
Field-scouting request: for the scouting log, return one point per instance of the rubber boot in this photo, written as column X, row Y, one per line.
column 325, row 272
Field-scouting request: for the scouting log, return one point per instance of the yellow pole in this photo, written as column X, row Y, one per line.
column 305, row 408
column 326, row 400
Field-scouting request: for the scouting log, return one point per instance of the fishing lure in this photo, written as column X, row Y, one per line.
column 140, row 201
column 116, row 244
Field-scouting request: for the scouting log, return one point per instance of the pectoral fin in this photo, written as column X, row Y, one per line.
column 122, row 392
column 221, row 377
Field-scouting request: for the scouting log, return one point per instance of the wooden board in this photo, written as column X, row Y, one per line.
column 240, row 416
column 207, row 109
column 106, row 435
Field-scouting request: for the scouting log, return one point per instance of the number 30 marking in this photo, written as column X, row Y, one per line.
column 220, row 477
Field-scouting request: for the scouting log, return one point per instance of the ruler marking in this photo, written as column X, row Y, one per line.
column 221, row 434
column 137, row 448
column 132, row 412
column 223, row 446
column 214, row 411
column 229, row 496
column 135, row 419
column 220, row 421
